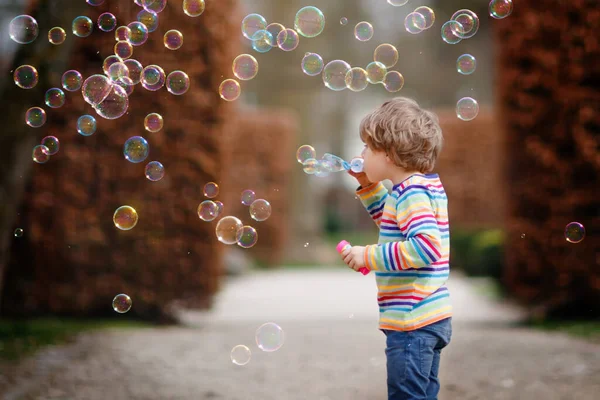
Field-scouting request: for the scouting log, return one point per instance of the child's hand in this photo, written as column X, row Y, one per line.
column 361, row 177
column 354, row 257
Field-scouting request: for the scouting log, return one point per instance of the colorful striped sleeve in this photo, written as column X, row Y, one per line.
column 373, row 199
column 415, row 218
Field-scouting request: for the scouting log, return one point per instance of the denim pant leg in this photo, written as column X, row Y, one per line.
column 413, row 360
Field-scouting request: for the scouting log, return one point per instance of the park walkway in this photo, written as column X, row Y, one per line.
column 332, row 351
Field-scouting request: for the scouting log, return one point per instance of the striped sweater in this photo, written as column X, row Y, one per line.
column 411, row 259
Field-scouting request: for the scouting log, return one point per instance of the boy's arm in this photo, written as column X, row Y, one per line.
column 416, row 220
column 373, row 197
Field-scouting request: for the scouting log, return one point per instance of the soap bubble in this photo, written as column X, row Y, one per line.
column 363, row 31
column 52, row 143
column 288, row 40
column 23, row 29
column 208, row 210
column 114, row 105
column 230, row 89
column 95, row 3
column 86, row 125
column 136, row 149
column 178, row 83
column 428, row 14
column 253, row 23
column 309, row 22
column 269, row 337
column 82, row 26
column 135, row 70
column 229, row 230
column 57, row 35
column 193, row 8
column 122, row 303
column 468, row 23
column 139, row 33
column 219, row 207
column 500, row 9
column 35, row 117
column 274, row 29
column 466, row 64
column 245, row 67
column 452, row 32
column 54, row 98
column 153, row 122
column 334, row 74
column 18, row 232
column 109, row 61
column 386, row 54
column 240, row 355
column 375, row 72
column 260, row 210
column 123, row 49
column 72, row 80
column 211, row 190
column 356, row 79
column 149, row 19
column 96, row 88
column 312, row 64
column 467, row 109
column 154, row 5
column 305, row 152
column 393, row 81
column 125, row 218
column 154, row 171
column 248, row 197
column 40, row 154
column 414, row 23
column 107, row 22
column 262, row 41
column 397, row 3
column 153, row 77
column 343, row 21
column 310, row 166
column 248, row 238
column 122, row 33
column 26, row 76
column 574, row 232
column 173, row 39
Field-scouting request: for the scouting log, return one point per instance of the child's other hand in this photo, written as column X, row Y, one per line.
column 361, row 177
column 354, row 257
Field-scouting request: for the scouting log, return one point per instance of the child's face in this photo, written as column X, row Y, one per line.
column 375, row 164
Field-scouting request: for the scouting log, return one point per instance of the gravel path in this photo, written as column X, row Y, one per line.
column 332, row 351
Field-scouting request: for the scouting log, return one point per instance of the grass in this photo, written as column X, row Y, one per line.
column 19, row 338
column 589, row 330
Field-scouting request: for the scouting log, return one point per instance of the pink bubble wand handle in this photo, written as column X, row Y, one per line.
column 341, row 246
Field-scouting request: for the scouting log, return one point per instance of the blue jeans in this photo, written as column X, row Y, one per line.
column 413, row 361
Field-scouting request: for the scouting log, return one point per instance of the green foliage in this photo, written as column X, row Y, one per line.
column 478, row 252
column 589, row 330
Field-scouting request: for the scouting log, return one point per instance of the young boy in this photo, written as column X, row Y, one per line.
column 402, row 143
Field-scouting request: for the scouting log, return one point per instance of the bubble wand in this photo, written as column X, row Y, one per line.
column 343, row 245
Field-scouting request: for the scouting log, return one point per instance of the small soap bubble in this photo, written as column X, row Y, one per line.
column 193, row 8
column 260, row 210
column 269, row 337
column 230, row 90
column 95, row 3
column 219, row 207
column 245, row 67
column 386, row 54
column 452, row 32
column 574, row 232
column 211, row 190
column 393, row 81
column 153, row 122
column 363, row 31
column 57, row 35
column 334, row 74
column 138, row 33
column 52, row 143
column 177, row 83
column 375, row 72
column 154, row 171
column 123, row 49
column 397, row 3
column 82, row 26
column 466, row 64
column 40, row 154
column 153, row 77
column 229, row 230
column 208, row 210
column 173, row 39
column 249, row 237
column 156, row 6
column 262, row 41
column 253, row 23
column 500, row 9
column 274, row 29
column 310, row 166
column 312, row 64
column 428, row 14
column 18, row 232
column 23, row 29
column 415, row 23
column 343, row 21
column 522, row 236
column 122, row 33
column 288, row 40
column 125, row 218
column 135, row 69
column 107, row 22
column 115, row 105
column 71, row 80
column 86, row 125
column 306, row 244
column 467, row 109
column 356, row 79
column 468, row 23
column 122, row 303
column 35, row 117
column 54, row 98
column 136, row 149
column 96, row 88
column 305, row 152
column 248, row 197
column 26, row 77
column 109, row 61
column 309, row 21
column 240, row 355
column 148, row 18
